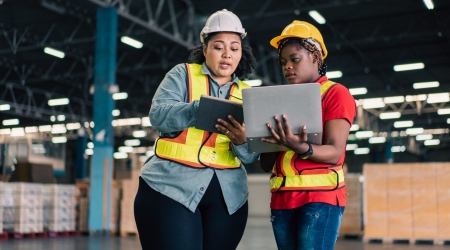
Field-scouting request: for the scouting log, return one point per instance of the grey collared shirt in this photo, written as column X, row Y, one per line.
column 170, row 114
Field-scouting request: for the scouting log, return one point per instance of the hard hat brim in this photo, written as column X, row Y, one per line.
column 274, row 42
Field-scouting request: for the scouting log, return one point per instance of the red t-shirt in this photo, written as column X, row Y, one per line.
column 338, row 104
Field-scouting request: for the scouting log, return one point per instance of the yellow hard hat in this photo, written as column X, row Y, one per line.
column 301, row 29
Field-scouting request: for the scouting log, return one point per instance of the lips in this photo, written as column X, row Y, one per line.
column 290, row 75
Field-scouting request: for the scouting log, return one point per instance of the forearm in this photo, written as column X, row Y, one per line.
column 325, row 154
column 267, row 160
column 244, row 154
column 173, row 117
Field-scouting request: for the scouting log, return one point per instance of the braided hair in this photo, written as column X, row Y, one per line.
column 310, row 45
column 245, row 66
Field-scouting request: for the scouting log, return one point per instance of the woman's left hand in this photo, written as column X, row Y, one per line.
column 234, row 130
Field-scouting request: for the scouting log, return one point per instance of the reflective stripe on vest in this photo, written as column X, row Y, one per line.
column 190, row 148
column 285, row 176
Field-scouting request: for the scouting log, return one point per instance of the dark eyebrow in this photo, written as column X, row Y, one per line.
column 221, row 41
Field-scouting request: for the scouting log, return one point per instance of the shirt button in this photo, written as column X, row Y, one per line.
column 220, row 91
column 202, row 188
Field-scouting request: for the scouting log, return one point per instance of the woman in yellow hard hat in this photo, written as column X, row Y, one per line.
column 193, row 193
column 307, row 182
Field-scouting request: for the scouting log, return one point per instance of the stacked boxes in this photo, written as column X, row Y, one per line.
column 351, row 224
column 8, row 208
column 129, row 190
column 59, row 203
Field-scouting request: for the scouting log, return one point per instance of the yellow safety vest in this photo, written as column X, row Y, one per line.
column 189, row 147
column 285, row 175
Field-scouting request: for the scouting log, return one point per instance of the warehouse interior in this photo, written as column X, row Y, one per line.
column 393, row 56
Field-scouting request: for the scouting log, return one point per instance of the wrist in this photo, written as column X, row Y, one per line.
column 307, row 153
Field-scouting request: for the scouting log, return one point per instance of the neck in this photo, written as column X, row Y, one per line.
column 222, row 80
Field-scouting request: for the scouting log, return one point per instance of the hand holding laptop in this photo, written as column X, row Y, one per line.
column 234, row 130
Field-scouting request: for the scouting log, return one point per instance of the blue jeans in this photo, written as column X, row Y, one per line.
column 313, row 226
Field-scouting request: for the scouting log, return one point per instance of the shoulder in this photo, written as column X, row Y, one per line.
column 339, row 92
column 179, row 69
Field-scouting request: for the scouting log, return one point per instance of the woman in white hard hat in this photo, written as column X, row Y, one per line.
column 307, row 184
column 193, row 193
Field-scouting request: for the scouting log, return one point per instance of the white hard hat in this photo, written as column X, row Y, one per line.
column 221, row 21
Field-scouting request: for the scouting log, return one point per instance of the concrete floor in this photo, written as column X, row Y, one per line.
column 258, row 236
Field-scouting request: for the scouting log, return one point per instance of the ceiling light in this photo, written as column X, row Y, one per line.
column 394, row 99
column 413, row 98
column 390, row 115
column 425, row 85
column 73, row 126
column 364, row 134
column 411, row 66
column 5, row 107
column 317, row 17
column 139, row 133
column 131, row 143
column 126, row 149
column 120, row 96
column 31, row 129
column 116, row 112
column 120, row 155
column 414, row 131
column 448, row 121
column 10, row 122
column 403, row 124
column 443, row 111
column 45, row 128
column 375, row 140
column 5, row 131
column 132, row 42
column 17, row 132
column 92, row 124
column 350, row 147
column 146, row 122
column 396, row 149
column 438, row 98
column 58, row 102
column 59, row 129
column 61, row 139
column 358, row 91
column 52, row 118
column 61, row 118
column 424, row 137
column 372, row 103
column 89, row 151
column 362, row 151
column 334, row 74
column 354, row 127
column 54, row 52
column 432, row 142
column 429, row 4
column 90, row 145
column 254, row 83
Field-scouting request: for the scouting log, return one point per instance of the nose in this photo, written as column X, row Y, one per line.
column 226, row 53
column 288, row 65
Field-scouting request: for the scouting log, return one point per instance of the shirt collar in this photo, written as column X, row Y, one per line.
column 206, row 71
column 322, row 79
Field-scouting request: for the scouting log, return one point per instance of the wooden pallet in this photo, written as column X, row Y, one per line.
column 63, row 234
column 407, row 241
column 129, row 233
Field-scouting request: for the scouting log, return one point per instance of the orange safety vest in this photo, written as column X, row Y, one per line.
column 285, row 176
column 199, row 148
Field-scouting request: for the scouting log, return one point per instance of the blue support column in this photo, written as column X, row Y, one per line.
column 101, row 163
column 389, row 157
column 80, row 161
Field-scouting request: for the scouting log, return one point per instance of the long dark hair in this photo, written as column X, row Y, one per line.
column 245, row 66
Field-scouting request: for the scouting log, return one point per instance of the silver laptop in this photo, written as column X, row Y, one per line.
column 300, row 102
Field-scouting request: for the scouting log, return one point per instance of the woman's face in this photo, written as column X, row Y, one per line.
column 297, row 65
column 223, row 53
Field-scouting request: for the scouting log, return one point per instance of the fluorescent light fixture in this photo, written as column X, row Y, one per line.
column 375, row 140
column 10, row 122
column 414, row 131
column 120, row 155
column 448, row 121
column 397, row 149
column 390, row 115
column 351, row 137
column 351, row 147
column 91, row 124
column 425, row 85
column 429, row 4
column 133, row 142
column 120, row 96
column 61, row 118
column 443, row 111
column 116, row 112
column 89, row 151
column 403, row 124
column 354, row 127
column 413, row 98
column 362, row 151
column 432, row 142
column 61, row 139
column 146, row 122
column 358, row 91
column 17, row 132
column 54, row 52
column 364, row 134
column 150, row 153
column 90, row 145
column 139, row 133
column 424, row 137
column 5, row 107
column 411, row 66
column 126, row 149
column 254, row 83
column 58, row 129
column 86, row 124
column 372, row 103
column 5, row 131
column 58, row 102
column 438, row 98
column 334, row 74
column 52, row 118
column 317, row 17
column 132, row 42
column 394, row 99
column 45, row 128
column 73, row 126
column 31, row 129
